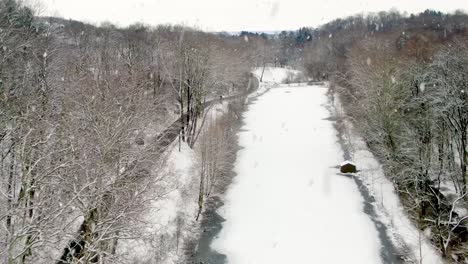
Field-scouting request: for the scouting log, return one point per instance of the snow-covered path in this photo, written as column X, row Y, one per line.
column 287, row 203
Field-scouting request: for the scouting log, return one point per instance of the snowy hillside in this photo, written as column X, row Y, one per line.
column 276, row 74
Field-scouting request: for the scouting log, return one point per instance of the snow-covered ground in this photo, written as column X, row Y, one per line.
column 170, row 219
column 274, row 77
column 287, row 203
column 275, row 74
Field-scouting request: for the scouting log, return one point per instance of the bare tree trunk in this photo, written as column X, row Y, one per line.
column 464, row 159
column 201, row 194
column 10, row 199
column 263, row 71
column 188, row 113
column 182, row 120
column 194, row 130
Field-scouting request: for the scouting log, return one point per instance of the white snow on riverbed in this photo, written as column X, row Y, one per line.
column 287, row 203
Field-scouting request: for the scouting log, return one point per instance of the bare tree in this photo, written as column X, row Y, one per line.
column 216, row 153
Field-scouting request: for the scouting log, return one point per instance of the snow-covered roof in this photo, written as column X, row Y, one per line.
column 347, row 162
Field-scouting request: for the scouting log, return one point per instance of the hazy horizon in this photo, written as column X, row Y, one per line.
column 230, row 16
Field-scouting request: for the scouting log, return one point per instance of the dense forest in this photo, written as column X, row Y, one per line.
column 403, row 82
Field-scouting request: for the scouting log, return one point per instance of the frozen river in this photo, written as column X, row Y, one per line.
column 287, row 203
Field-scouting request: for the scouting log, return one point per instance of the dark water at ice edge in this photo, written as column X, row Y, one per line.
column 200, row 252
column 389, row 253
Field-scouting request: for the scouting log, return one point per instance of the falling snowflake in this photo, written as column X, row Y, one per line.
column 422, row 87
column 368, row 61
column 427, row 232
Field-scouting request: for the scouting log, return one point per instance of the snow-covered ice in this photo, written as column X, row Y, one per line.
column 287, row 203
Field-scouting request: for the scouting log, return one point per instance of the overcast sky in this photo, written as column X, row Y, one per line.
column 234, row 15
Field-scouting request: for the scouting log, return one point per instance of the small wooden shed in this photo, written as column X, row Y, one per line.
column 348, row 167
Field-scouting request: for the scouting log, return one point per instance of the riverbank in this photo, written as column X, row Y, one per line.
column 198, row 250
column 409, row 243
column 390, row 252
